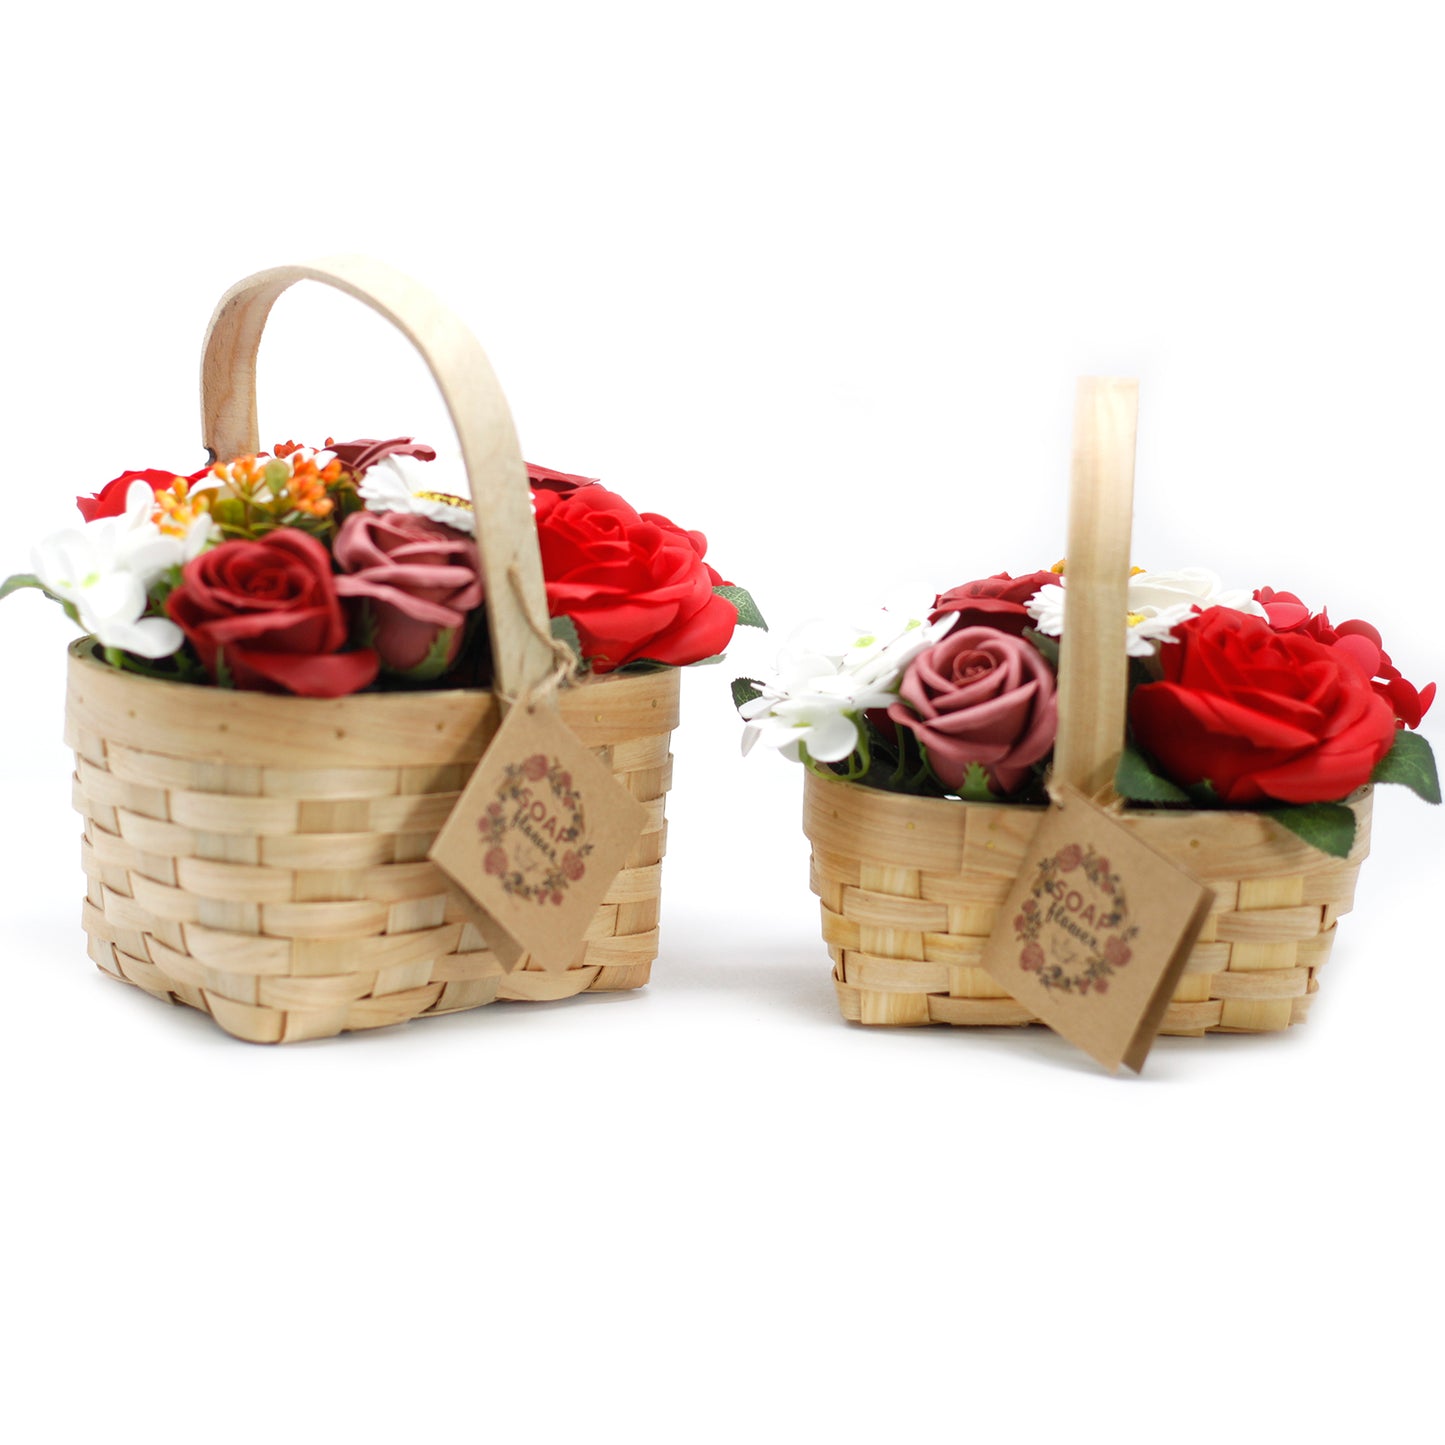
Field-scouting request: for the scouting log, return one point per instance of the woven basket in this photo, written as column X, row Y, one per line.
column 264, row 858
column 911, row 887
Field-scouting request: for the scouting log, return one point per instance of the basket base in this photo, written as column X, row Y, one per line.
column 1182, row 1019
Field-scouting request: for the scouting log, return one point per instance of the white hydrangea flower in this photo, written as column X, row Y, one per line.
column 827, row 675
column 104, row 568
column 1157, row 602
column 437, row 489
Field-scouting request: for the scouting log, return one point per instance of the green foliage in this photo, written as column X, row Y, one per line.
column 1137, row 781
column 742, row 599
column 564, row 629
column 1411, row 763
column 1330, row 827
column 1046, row 645
column 975, row 788
column 22, row 580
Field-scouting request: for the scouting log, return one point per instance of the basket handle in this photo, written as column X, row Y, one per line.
column 507, row 544
column 1093, row 657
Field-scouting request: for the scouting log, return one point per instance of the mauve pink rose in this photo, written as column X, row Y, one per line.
column 419, row 577
column 980, row 696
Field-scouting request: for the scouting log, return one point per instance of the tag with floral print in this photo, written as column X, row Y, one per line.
column 537, row 838
column 1096, row 931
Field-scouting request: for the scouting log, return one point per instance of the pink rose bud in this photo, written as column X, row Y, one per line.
column 419, row 578
column 980, row 696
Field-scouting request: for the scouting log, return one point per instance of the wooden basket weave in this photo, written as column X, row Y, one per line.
column 263, row 858
column 911, row 887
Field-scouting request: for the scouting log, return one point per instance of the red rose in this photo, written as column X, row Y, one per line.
column 573, row 866
column 635, row 585
column 996, row 601
column 1117, row 953
column 535, row 768
column 418, row 577
column 980, row 696
column 1069, row 858
column 1032, row 958
column 109, row 501
column 1261, row 714
column 495, row 862
column 1359, row 641
column 267, row 612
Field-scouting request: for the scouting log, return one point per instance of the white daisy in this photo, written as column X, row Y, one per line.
column 438, row 490
column 1157, row 602
column 826, row 677
column 104, row 568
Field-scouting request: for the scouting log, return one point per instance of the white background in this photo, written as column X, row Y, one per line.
column 817, row 279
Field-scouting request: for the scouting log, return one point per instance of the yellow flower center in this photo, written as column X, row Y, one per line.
column 444, row 497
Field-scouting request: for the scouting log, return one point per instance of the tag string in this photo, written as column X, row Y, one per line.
column 565, row 662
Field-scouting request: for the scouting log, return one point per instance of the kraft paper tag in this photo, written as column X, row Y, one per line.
column 537, row 838
column 1096, row 931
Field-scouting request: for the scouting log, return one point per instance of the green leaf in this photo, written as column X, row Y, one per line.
column 744, row 690
column 565, row 630
column 223, row 671
column 277, row 475
column 27, row 579
column 1330, row 827
column 436, row 661
column 19, row 580
column 742, row 599
column 1139, row 783
column 1046, row 645
column 975, row 788
column 1411, row 763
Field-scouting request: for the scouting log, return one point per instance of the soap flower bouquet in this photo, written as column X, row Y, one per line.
column 1238, row 698
column 326, row 571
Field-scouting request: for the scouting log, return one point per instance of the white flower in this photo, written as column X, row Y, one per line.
column 827, row 675
column 438, row 490
column 1157, row 602
column 104, row 568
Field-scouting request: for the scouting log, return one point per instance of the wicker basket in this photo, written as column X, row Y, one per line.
column 264, row 858
column 911, row 887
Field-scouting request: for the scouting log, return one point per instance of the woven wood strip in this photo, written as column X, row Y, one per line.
column 906, row 934
column 297, row 902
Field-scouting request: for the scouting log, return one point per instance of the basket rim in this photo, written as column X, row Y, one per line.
column 82, row 651
column 364, row 729
column 1131, row 810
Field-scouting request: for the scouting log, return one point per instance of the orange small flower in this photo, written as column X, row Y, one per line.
column 177, row 510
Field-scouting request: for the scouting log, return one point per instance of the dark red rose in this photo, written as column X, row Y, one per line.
column 495, row 862
column 1358, row 640
column 545, row 479
column 418, row 577
column 980, row 696
column 535, row 768
column 635, row 585
column 1101, row 985
column 573, row 866
column 109, row 501
column 1069, row 858
column 1260, row 714
column 267, row 613
column 996, row 601
column 358, row 455
column 1032, row 958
